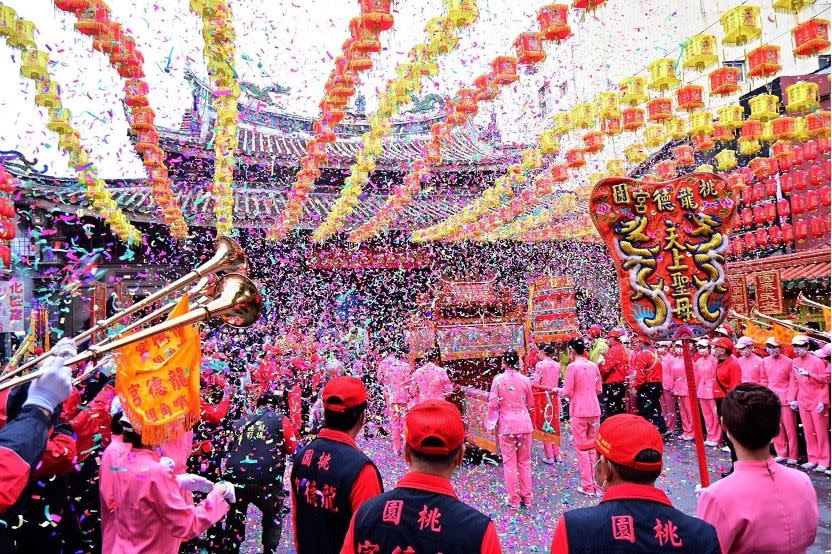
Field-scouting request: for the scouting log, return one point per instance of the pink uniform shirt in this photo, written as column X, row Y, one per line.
column 751, row 367
column 680, row 380
column 148, row 512
column 777, row 375
column 394, row 374
column 761, row 507
column 509, row 402
column 546, row 373
column 704, row 368
column 429, row 382
column 813, row 389
column 667, row 372
column 582, row 386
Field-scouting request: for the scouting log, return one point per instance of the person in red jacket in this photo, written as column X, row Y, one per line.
column 613, row 367
column 648, row 384
column 728, row 376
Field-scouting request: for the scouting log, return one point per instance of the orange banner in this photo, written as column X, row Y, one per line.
column 158, row 381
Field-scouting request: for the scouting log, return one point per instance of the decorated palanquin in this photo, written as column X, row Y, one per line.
column 552, row 315
column 668, row 241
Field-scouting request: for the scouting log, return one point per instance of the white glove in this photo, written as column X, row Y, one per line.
column 65, row 348
column 820, row 408
column 801, row 371
column 226, row 489
column 601, row 360
column 793, row 405
column 54, row 385
column 192, row 482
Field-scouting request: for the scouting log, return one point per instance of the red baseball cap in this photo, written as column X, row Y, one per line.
column 621, row 437
column 434, row 427
column 341, row 393
column 723, row 342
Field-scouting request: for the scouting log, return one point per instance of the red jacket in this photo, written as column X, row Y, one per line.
column 92, row 424
column 648, row 368
column 21, row 445
column 728, row 376
column 615, row 364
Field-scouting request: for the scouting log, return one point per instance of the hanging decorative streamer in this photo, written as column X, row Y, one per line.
column 442, row 39
column 8, row 230
column 218, row 33
column 340, row 87
column 20, row 34
column 111, row 38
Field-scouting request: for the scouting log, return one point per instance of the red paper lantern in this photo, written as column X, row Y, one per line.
column 632, row 119
column 798, row 154
column 487, row 88
column 666, row 170
column 747, row 195
column 771, row 212
column 750, row 241
column 810, row 37
column 135, row 92
column 357, row 60
column 824, row 196
column 760, row 167
column 587, row 4
column 812, row 200
column 560, row 174
column 724, row 81
column 554, row 24
column 782, row 149
column 364, row 39
column 93, row 20
column 817, row 227
column 323, row 132
column 109, row 39
column 659, row 109
column 702, row 143
column 690, row 98
column 738, row 246
column 775, row 235
column 801, row 230
column 504, row 69
column 761, row 237
column 800, row 180
column 764, row 61
column 798, row 204
column 752, row 130
column 759, row 213
column 722, row 133
column 783, row 127
column 736, row 222
column 610, row 126
column 143, row 117
column 72, row 5
column 735, row 179
column 147, row 139
column 467, row 101
column 758, row 192
column 376, row 14
column 594, row 142
column 575, row 158
column 788, row 233
column 684, row 155
column 824, row 145
column 747, row 217
column 815, row 175
column 529, row 48
column 810, row 150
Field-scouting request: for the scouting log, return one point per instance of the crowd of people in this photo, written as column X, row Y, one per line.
column 284, row 440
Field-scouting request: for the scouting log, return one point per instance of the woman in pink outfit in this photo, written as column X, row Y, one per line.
column 809, row 393
column 762, row 506
column 509, row 402
column 666, row 356
column 429, row 382
column 394, row 374
column 704, row 369
column 582, row 387
column 750, row 363
column 547, row 374
column 680, row 390
column 777, row 375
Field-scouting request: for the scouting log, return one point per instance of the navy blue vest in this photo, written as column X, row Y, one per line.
column 323, row 474
column 425, row 521
column 631, row 525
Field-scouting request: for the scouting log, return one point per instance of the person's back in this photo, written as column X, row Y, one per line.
column 258, row 447
column 582, row 386
column 429, row 382
column 546, row 373
column 511, row 394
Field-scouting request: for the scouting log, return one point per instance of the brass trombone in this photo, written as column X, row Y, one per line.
column 228, row 256
column 794, row 326
column 237, row 302
column 811, row 303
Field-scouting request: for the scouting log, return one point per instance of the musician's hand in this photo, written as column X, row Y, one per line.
column 52, row 387
column 65, row 348
column 193, row 482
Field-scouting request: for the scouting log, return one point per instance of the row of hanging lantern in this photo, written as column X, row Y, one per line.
column 529, row 46
column 441, row 39
column 110, row 38
column 374, row 18
column 8, row 230
column 218, row 34
column 19, row 33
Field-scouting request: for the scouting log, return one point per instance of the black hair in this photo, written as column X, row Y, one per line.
column 511, row 359
column 577, row 344
column 346, row 420
column 642, row 477
column 751, row 413
column 433, row 355
column 439, row 461
column 549, row 349
column 270, row 398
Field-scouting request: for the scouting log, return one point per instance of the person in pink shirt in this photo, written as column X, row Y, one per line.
column 762, row 506
column 809, row 393
column 394, row 374
column 147, row 510
column 429, row 382
column 547, row 375
column 704, row 369
column 582, row 387
column 777, row 375
column 750, row 363
column 666, row 356
column 680, row 390
column 509, row 402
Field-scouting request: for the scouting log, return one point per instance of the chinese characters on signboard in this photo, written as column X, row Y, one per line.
column 769, row 291
column 739, row 293
column 11, row 306
column 667, row 241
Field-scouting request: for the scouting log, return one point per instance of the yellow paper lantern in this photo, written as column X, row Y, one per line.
column 532, row 158
column 636, row 153
column 768, row 132
column 616, row 167
column 791, row 6
column 633, row 90
column 562, row 123
column 608, row 105
column 583, row 115
column 662, row 74
column 69, row 141
column 655, row 136
column 801, row 130
column 749, row 147
column 764, row 107
column 462, row 13
column 440, row 38
column 47, row 94
column 704, row 168
column 700, row 52
column 730, row 116
column 726, row 160
column 741, row 25
column 802, row 96
column 701, row 123
column 548, row 142
column 676, row 128
column 23, row 34
column 8, row 18
column 60, row 120
column 34, row 64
